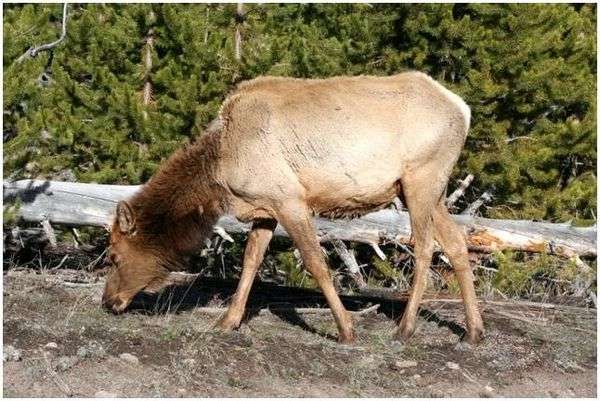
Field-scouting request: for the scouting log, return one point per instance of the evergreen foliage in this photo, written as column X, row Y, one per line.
column 528, row 71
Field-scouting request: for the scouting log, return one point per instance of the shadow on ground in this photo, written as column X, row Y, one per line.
column 279, row 300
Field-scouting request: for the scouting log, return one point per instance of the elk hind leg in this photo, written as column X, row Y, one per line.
column 421, row 196
column 452, row 241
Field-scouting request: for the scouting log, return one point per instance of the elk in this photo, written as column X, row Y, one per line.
column 283, row 150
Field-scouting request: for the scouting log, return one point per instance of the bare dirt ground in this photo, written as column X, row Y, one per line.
column 58, row 342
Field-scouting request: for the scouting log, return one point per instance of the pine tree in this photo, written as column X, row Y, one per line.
column 527, row 71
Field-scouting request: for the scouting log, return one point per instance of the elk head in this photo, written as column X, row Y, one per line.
column 137, row 264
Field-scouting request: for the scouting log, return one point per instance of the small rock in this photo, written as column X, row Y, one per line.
column 82, row 352
column 452, row 365
column 93, row 349
column 570, row 366
column 51, row 345
column 405, row 364
column 189, row 362
column 66, row 362
column 396, row 345
column 462, row 346
column 65, row 175
column 181, row 392
column 416, row 377
column 31, row 166
column 12, row 354
column 45, row 135
column 488, row 389
column 129, row 358
column 106, row 394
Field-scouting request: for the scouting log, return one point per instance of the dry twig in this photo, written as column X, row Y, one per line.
column 34, row 50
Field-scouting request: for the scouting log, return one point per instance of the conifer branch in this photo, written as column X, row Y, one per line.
column 33, row 51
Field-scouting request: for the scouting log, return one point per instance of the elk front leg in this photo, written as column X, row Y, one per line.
column 297, row 221
column 258, row 240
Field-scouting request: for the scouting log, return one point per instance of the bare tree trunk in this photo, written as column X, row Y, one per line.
column 148, row 67
column 206, row 28
column 147, row 59
column 239, row 17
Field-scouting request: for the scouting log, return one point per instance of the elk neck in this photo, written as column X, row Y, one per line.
column 178, row 207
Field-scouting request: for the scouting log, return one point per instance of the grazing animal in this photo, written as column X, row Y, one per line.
column 283, row 150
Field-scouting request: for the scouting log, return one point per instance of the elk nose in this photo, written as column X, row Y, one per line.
column 115, row 304
column 106, row 302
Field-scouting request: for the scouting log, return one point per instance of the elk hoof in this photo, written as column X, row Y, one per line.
column 474, row 336
column 226, row 324
column 404, row 331
column 346, row 338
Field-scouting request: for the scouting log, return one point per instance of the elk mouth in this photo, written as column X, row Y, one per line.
column 116, row 304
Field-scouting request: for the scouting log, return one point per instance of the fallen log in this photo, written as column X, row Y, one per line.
column 78, row 204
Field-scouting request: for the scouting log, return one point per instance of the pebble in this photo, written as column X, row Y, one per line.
column 570, row 366
column 51, row 345
column 416, row 377
column 106, row 394
column 452, row 365
column 93, row 349
column 29, row 167
column 405, row 364
column 189, row 362
column 129, row 358
column 463, row 346
column 12, row 354
column 66, row 362
column 45, row 135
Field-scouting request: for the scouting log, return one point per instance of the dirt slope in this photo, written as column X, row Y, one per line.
column 541, row 352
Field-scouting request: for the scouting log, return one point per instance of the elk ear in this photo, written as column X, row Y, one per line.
column 126, row 218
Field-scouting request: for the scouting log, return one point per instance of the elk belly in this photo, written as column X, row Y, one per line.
column 336, row 195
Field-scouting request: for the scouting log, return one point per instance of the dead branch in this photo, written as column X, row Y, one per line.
column 473, row 207
column 34, row 50
column 460, row 191
column 49, row 233
column 349, row 261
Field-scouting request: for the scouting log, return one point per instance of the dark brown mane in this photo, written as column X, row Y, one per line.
column 168, row 206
